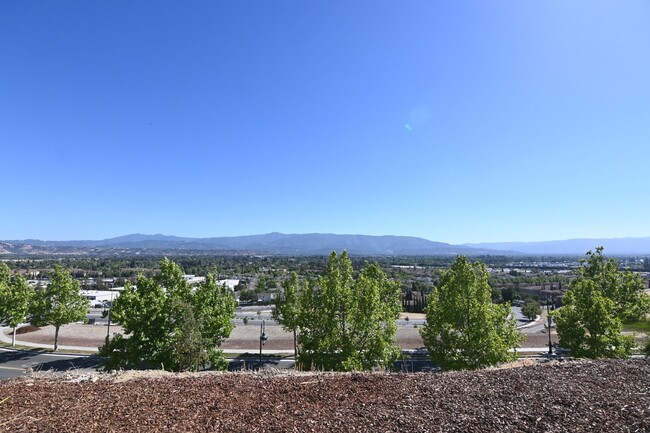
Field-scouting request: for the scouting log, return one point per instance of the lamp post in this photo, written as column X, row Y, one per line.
column 549, row 301
column 263, row 339
column 110, row 308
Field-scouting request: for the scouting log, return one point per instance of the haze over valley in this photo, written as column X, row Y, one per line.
column 317, row 244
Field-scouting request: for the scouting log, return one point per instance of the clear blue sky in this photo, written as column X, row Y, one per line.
column 455, row 121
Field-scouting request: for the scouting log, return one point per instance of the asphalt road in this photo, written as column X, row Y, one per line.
column 15, row 363
column 96, row 314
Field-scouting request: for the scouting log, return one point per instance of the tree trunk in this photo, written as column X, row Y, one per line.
column 295, row 346
column 56, row 338
column 13, row 338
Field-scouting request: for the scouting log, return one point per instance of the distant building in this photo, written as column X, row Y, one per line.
column 193, row 280
column 231, row 284
column 96, row 297
column 267, row 296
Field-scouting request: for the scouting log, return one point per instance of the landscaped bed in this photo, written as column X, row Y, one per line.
column 561, row 396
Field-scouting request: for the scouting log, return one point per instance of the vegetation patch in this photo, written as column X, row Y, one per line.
column 638, row 326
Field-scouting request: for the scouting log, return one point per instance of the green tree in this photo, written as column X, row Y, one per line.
column 588, row 323
column 510, row 294
column 15, row 299
column 247, row 295
column 531, row 309
column 623, row 287
column 188, row 340
column 286, row 310
column 497, row 296
column 464, row 329
column 215, row 306
column 59, row 303
column 5, row 272
column 168, row 325
column 598, row 300
column 348, row 324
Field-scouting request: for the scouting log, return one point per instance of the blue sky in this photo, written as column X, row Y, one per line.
column 464, row 121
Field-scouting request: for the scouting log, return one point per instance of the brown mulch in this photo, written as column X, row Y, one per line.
column 24, row 330
column 584, row 396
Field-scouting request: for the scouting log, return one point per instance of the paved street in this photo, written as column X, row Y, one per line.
column 18, row 363
column 15, row 363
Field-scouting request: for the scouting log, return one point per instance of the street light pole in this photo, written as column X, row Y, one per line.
column 263, row 339
column 110, row 308
column 550, row 322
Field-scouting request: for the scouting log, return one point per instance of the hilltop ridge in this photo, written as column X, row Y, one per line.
column 317, row 244
column 271, row 243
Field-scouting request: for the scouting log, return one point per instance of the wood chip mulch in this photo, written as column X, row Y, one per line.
column 582, row 396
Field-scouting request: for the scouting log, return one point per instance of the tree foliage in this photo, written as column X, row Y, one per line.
column 598, row 300
column 15, row 299
column 5, row 273
column 287, row 309
column 624, row 288
column 346, row 323
column 510, row 294
column 588, row 324
column 169, row 325
column 464, row 329
column 531, row 309
column 60, row 303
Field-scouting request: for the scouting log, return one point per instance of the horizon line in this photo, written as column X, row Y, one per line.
column 330, row 234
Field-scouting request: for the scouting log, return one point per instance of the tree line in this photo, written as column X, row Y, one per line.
column 341, row 320
column 57, row 304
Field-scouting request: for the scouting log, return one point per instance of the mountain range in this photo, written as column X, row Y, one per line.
column 271, row 243
column 613, row 246
column 319, row 244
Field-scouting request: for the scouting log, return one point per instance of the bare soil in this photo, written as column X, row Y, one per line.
column 243, row 337
column 588, row 396
column 74, row 334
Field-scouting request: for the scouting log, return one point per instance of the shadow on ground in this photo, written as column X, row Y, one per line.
column 248, row 362
column 17, row 355
column 59, row 365
column 45, row 361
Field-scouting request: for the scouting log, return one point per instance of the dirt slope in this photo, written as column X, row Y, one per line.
column 585, row 396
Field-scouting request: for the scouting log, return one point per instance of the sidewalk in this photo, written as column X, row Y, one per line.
column 537, row 320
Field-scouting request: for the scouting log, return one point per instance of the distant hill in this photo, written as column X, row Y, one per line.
column 315, row 244
column 271, row 243
column 614, row 246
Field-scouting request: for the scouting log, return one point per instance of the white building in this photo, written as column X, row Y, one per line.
column 96, row 297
